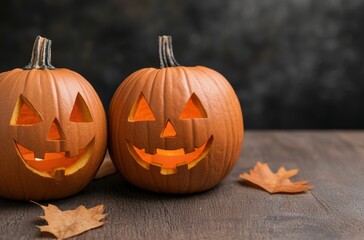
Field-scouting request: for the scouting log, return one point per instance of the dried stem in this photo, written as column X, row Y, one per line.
column 166, row 56
column 41, row 55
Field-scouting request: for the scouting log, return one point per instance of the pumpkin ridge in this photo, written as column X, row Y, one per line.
column 226, row 132
column 225, row 89
column 205, row 179
column 55, row 87
column 128, row 86
column 186, row 72
column 152, row 89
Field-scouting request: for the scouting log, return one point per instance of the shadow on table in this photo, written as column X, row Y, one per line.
column 116, row 187
column 101, row 190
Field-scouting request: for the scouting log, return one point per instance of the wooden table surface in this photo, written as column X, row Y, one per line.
column 333, row 161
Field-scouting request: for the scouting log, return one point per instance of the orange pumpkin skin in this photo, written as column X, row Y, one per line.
column 202, row 148
column 60, row 153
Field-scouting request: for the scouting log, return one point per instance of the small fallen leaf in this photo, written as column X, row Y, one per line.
column 262, row 176
column 69, row 223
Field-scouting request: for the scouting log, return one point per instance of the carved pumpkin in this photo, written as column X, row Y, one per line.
column 175, row 129
column 52, row 127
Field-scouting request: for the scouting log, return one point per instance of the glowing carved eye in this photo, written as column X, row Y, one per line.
column 80, row 111
column 193, row 109
column 141, row 111
column 24, row 113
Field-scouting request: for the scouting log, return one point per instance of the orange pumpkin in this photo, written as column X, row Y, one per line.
column 53, row 130
column 175, row 129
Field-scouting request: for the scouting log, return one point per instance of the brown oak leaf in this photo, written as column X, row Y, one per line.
column 262, row 176
column 69, row 223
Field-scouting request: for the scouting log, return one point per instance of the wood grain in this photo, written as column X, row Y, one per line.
column 333, row 161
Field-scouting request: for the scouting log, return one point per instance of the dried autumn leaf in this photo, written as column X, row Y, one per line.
column 69, row 223
column 262, row 176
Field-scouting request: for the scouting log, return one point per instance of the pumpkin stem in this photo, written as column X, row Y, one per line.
column 166, row 56
column 41, row 55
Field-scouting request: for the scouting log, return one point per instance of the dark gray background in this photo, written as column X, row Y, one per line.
column 293, row 63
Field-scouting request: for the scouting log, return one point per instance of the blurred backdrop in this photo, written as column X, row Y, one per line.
column 294, row 64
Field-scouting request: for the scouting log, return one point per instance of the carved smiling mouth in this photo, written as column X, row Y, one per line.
column 55, row 164
column 169, row 160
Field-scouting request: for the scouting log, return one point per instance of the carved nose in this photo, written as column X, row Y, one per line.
column 169, row 130
column 55, row 132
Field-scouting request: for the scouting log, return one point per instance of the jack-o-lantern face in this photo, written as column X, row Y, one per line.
column 52, row 127
column 175, row 134
column 168, row 159
column 175, row 129
column 50, row 162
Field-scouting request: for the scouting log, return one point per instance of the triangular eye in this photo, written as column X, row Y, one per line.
column 80, row 111
column 193, row 109
column 141, row 111
column 24, row 113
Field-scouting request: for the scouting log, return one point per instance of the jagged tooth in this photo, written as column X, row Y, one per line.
column 154, row 168
column 59, row 173
column 185, row 150
column 39, row 155
column 167, row 171
column 150, row 150
column 183, row 167
column 72, row 153
column 142, row 150
column 157, row 168
column 189, row 149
